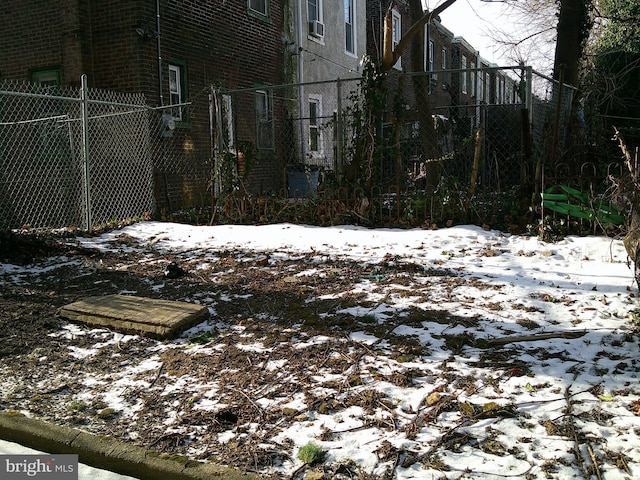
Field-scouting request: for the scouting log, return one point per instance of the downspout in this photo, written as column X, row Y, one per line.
column 381, row 29
column 161, row 99
column 427, row 47
column 159, row 47
column 300, row 78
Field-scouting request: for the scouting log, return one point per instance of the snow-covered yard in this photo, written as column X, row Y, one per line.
column 451, row 353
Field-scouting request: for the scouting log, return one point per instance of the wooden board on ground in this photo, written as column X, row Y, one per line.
column 136, row 315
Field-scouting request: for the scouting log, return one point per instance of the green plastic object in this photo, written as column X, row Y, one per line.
column 569, row 201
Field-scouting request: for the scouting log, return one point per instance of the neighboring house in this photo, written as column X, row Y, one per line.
column 326, row 41
column 437, row 52
column 427, row 96
column 172, row 51
column 464, row 83
column 401, row 22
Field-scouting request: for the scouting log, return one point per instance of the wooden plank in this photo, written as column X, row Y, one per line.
column 138, row 315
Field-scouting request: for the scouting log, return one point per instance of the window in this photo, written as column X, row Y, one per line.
column 349, row 27
column 315, row 113
column 487, row 86
column 463, row 73
column 49, row 77
column 314, row 10
column 315, row 16
column 261, row 7
column 445, row 65
column 431, row 54
column 264, row 120
column 472, row 74
column 177, row 90
column 397, row 34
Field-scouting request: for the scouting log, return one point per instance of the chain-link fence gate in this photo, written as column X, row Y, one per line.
column 79, row 157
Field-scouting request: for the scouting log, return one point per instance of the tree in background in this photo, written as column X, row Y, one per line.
column 614, row 72
column 530, row 36
column 574, row 26
column 613, row 98
column 561, row 26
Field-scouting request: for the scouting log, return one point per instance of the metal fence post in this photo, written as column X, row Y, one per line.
column 84, row 97
column 529, row 93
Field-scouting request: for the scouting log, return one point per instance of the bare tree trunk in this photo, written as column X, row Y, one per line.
column 573, row 30
column 423, row 103
column 631, row 194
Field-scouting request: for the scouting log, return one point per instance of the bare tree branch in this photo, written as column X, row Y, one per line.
column 389, row 58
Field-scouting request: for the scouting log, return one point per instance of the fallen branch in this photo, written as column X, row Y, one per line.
column 572, row 434
column 494, row 342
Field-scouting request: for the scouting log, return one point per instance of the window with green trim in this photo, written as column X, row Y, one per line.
column 259, row 8
column 46, row 77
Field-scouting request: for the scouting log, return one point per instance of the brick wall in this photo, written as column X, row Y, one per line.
column 38, row 35
column 115, row 43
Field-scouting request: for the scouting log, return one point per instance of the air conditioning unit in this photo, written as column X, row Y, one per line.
column 316, row 28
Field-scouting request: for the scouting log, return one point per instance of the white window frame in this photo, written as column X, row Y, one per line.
column 175, row 89
column 432, row 48
column 264, row 120
column 315, row 124
column 318, row 5
column 463, row 73
column 396, row 34
column 350, row 27
column 256, row 7
column 472, row 75
column 444, row 64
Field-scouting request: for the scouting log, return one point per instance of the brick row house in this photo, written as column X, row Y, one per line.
column 464, row 89
column 174, row 51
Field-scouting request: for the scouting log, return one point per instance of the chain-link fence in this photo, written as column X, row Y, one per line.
column 460, row 137
column 68, row 159
column 485, row 126
column 281, row 135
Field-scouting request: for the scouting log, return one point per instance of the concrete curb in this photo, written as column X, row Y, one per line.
column 110, row 454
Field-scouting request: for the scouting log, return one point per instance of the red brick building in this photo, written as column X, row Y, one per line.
column 170, row 50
